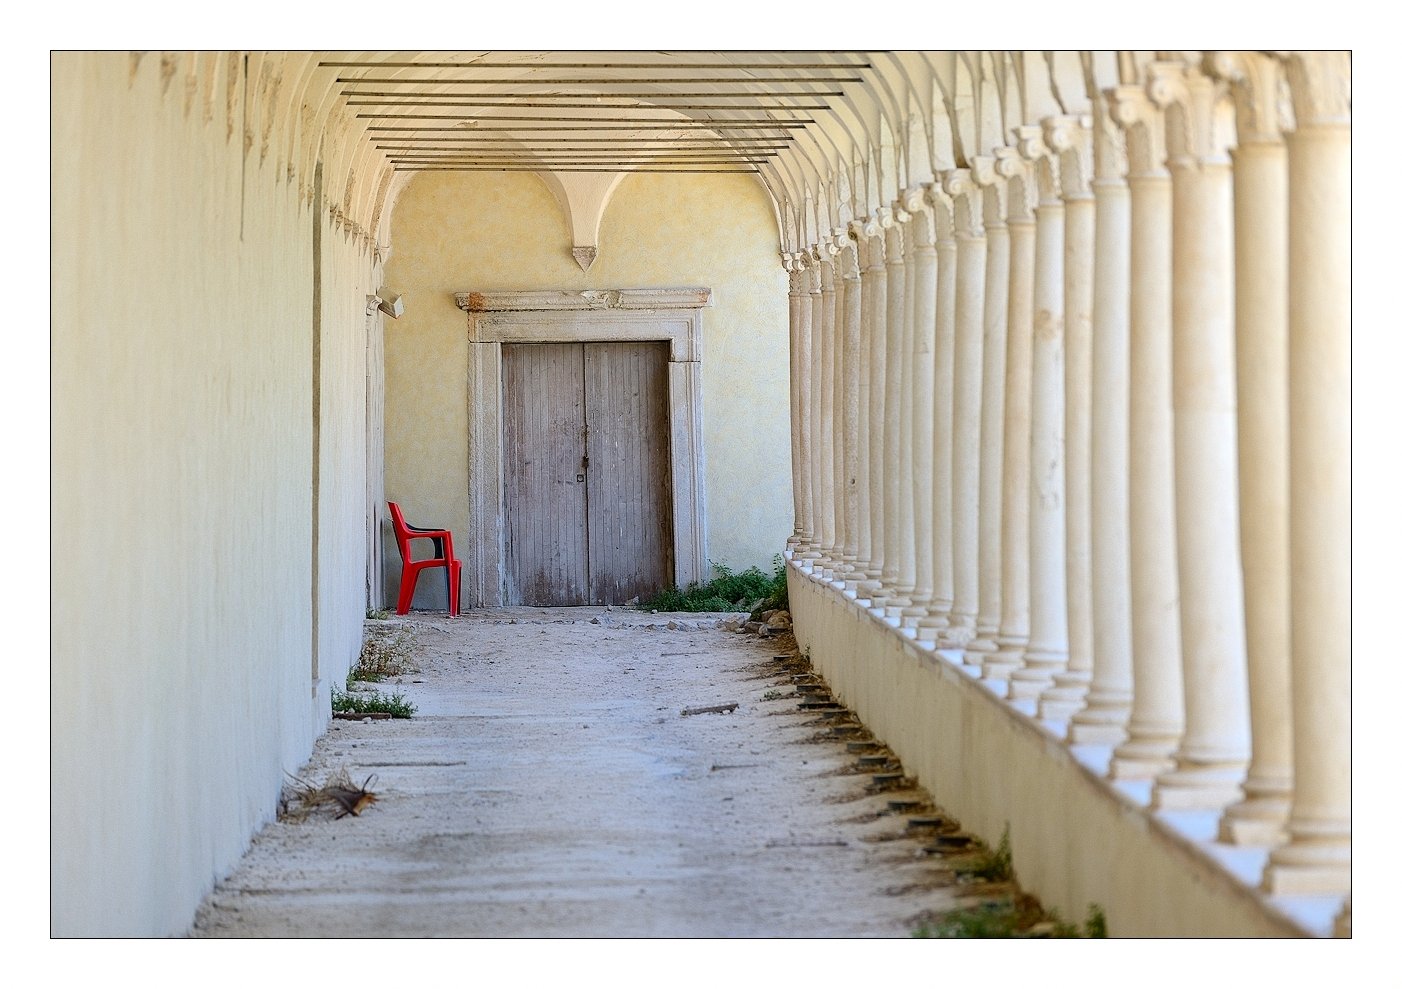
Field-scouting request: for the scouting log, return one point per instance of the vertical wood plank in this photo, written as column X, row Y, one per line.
column 547, row 552
column 630, row 496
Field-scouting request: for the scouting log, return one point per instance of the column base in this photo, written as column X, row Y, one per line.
column 1002, row 664
column 1192, row 786
column 893, row 609
column 1094, row 733
column 1251, row 823
column 931, row 625
column 957, row 635
column 1322, row 871
column 1037, row 673
column 1143, row 756
column 1137, row 768
column 985, row 642
column 911, row 616
column 1065, row 696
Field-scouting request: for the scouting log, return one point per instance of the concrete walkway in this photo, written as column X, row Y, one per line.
column 549, row 786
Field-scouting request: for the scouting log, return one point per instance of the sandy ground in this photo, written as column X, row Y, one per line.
column 549, row 786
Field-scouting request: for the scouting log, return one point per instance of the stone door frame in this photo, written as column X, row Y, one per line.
column 670, row 315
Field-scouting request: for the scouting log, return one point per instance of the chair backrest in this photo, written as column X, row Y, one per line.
column 401, row 531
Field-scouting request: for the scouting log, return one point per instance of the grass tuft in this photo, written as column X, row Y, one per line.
column 994, row 866
column 374, row 702
column 1021, row 917
column 727, row 591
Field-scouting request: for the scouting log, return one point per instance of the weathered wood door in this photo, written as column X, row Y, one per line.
column 586, row 472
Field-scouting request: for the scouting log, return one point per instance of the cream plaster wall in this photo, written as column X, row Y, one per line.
column 1075, row 840
column 182, row 492
column 454, row 232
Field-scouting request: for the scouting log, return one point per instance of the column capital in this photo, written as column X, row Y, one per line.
column 1257, row 85
column 914, row 200
column 1071, row 138
column 826, row 271
column 1042, row 163
column 1142, row 122
column 1199, row 123
column 1321, row 87
column 922, row 226
column 849, row 261
column 895, row 242
column 984, row 169
column 876, row 251
column 1111, row 153
column 1021, row 183
column 967, row 195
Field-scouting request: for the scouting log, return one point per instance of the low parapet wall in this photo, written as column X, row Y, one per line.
column 1077, row 838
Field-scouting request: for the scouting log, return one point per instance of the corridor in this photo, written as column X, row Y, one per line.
column 549, row 786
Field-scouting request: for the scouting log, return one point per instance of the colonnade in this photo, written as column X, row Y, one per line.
column 1074, row 415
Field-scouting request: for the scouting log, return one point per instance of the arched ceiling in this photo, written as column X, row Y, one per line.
column 793, row 120
column 832, row 136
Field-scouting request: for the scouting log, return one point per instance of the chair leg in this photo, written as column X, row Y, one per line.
column 455, row 590
column 407, row 580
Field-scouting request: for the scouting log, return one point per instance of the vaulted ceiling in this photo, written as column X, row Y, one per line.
column 830, row 135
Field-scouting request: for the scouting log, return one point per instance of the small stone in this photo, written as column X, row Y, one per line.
column 753, row 626
column 671, row 625
column 593, row 621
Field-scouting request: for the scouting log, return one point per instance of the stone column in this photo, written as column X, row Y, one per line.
column 1156, row 713
column 807, row 393
column 1211, row 759
column 1046, row 649
column 797, row 428
column 851, row 296
column 839, row 414
column 912, row 612
column 990, row 484
column 897, row 466
column 1102, row 720
column 971, row 251
column 1014, row 621
column 946, row 253
column 863, row 415
column 1317, row 855
column 1260, row 197
column 1071, row 138
column 922, row 307
column 874, row 293
column 827, row 300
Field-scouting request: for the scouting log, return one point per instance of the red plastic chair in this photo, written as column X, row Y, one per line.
column 443, row 557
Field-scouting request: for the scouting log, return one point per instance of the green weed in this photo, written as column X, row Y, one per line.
column 995, row 866
column 726, row 591
column 395, row 704
column 1021, row 917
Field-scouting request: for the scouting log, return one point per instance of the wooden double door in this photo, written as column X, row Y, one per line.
column 586, row 472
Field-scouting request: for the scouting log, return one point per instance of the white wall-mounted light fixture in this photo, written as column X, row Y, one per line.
column 391, row 305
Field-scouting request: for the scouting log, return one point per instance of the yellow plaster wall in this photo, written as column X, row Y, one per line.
column 182, row 633
column 454, row 232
